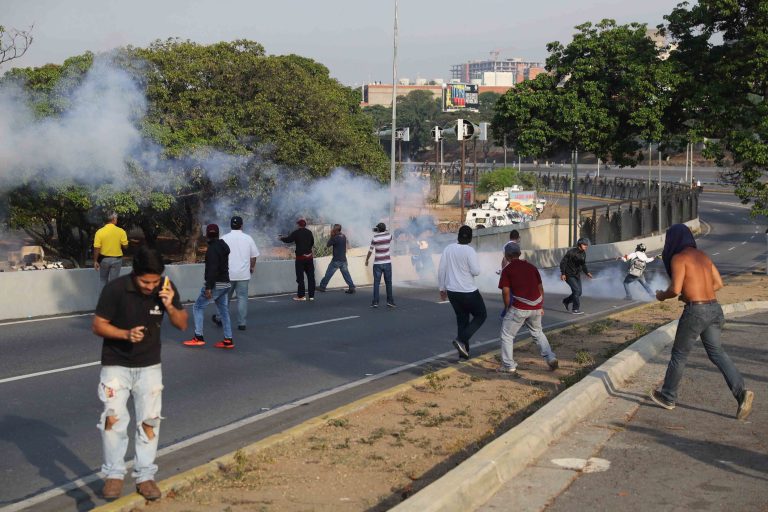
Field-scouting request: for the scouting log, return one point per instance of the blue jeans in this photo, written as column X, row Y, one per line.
column 464, row 305
column 378, row 270
column 116, row 384
column 513, row 321
column 574, row 298
column 221, row 297
column 332, row 267
column 641, row 279
column 705, row 320
column 109, row 269
column 241, row 289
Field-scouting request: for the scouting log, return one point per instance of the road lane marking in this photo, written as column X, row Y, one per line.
column 443, row 302
column 48, row 372
column 732, row 248
column 715, row 253
column 743, row 243
column 324, row 321
column 15, row 322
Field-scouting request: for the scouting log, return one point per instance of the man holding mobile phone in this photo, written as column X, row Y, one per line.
column 128, row 317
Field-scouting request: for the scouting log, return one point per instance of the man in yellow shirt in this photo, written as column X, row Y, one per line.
column 108, row 245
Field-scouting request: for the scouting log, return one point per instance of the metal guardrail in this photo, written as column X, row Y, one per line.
column 635, row 214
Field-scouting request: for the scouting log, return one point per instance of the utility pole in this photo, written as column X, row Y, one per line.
column 394, row 127
column 660, row 227
column 460, row 132
column 575, row 195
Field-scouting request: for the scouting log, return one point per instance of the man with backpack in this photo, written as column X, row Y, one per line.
column 637, row 263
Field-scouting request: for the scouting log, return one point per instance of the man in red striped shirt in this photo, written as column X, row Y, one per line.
column 523, row 294
column 382, row 263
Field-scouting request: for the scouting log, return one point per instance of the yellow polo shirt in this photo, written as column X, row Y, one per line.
column 110, row 241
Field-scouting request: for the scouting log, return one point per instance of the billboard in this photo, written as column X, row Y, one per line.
column 460, row 97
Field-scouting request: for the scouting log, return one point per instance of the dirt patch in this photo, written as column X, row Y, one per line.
column 375, row 457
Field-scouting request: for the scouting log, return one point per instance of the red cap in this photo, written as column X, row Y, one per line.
column 211, row 229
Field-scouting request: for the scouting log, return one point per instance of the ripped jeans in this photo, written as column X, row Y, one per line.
column 117, row 383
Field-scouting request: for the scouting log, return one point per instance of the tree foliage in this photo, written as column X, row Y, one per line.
column 505, row 177
column 605, row 91
column 224, row 116
column 14, row 43
column 720, row 53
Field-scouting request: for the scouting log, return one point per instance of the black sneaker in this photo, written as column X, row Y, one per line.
column 374, row 304
column 509, row 372
column 216, row 319
column 391, row 305
column 577, row 312
column 240, row 327
column 567, row 306
column 660, row 400
column 320, row 288
column 745, row 404
column 350, row 291
column 554, row 364
column 463, row 352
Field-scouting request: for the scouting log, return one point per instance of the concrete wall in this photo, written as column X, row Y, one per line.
column 56, row 292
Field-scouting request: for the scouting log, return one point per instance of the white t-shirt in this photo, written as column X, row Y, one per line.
column 241, row 249
column 458, row 267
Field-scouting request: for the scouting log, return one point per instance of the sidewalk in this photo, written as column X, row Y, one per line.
column 642, row 457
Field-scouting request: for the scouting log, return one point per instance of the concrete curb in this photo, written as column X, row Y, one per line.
column 474, row 481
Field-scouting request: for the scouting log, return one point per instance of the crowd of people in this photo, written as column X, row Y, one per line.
column 131, row 309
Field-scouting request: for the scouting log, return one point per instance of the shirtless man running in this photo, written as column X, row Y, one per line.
column 695, row 280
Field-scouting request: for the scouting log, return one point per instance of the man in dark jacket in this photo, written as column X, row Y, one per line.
column 305, row 264
column 215, row 289
column 571, row 266
column 338, row 261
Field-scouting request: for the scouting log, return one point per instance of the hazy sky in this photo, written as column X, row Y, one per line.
column 353, row 39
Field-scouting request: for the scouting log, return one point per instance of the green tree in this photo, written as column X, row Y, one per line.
column 606, row 90
column 720, row 52
column 505, row 177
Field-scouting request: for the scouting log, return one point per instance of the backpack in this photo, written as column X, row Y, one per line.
column 636, row 267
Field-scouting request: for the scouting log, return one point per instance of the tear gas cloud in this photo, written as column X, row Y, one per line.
column 90, row 142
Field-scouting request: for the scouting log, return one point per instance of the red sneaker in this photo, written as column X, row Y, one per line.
column 194, row 342
column 226, row 343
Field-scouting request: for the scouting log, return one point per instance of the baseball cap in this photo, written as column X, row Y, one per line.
column 380, row 227
column 236, row 222
column 302, row 222
column 211, row 229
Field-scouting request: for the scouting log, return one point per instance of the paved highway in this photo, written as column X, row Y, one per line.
column 296, row 361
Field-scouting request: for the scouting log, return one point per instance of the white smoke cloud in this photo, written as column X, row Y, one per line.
column 90, row 142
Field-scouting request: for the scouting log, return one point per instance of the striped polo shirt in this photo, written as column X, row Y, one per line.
column 380, row 248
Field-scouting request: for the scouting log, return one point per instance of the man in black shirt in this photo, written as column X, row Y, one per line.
column 571, row 266
column 215, row 290
column 339, row 260
column 305, row 264
column 128, row 316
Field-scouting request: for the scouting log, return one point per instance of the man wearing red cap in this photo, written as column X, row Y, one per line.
column 305, row 263
column 215, row 289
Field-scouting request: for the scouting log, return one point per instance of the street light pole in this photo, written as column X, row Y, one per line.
column 660, row 228
column 394, row 127
column 575, row 195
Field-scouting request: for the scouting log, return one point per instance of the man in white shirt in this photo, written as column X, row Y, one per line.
column 456, row 280
column 242, row 260
column 637, row 262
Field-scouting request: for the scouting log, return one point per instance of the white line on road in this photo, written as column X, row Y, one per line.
column 47, row 372
column 444, row 302
column 715, row 253
column 3, row 324
column 324, row 321
column 732, row 248
column 743, row 243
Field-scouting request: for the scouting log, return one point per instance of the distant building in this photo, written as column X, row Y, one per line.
column 381, row 94
column 496, row 72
